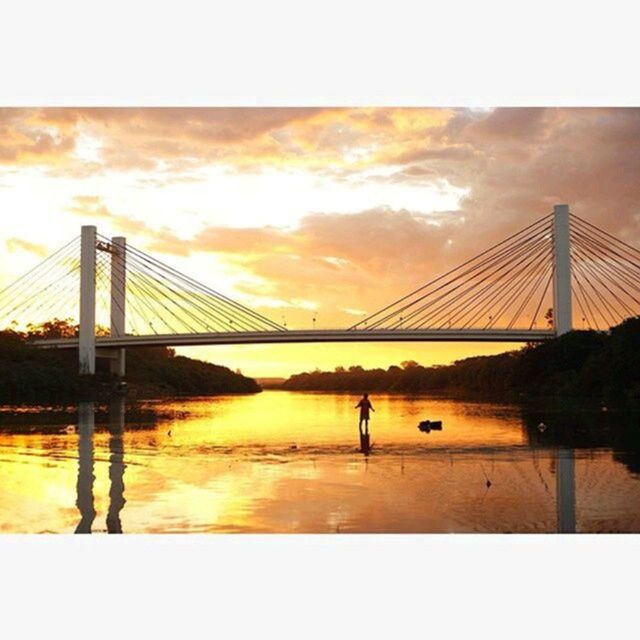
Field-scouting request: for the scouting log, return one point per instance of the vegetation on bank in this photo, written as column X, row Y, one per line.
column 28, row 374
column 580, row 364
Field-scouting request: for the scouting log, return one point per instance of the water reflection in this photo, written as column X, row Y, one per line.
column 365, row 440
column 563, row 432
column 196, row 467
column 86, row 478
column 84, row 485
column 116, row 465
column 566, row 490
column 575, row 429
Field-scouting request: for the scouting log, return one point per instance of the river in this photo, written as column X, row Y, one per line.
column 290, row 462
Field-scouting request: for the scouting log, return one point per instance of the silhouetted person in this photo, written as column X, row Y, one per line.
column 365, row 406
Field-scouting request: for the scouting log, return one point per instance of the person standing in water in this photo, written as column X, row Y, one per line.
column 365, row 406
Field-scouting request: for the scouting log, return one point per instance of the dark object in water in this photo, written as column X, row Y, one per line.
column 430, row 425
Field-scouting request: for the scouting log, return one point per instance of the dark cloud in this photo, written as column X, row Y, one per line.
column 585, row 157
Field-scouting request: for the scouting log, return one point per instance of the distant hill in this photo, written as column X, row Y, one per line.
column 31, row 375
column 581, row 364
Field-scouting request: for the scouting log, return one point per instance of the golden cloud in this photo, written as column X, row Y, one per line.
column 19, row 244
column 240, row 138
column 514, row 164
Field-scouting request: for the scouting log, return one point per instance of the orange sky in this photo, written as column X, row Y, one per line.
column 303, row 212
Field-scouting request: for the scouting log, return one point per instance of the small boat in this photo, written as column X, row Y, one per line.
column 430, row 425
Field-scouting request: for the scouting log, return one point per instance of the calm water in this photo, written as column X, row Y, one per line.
column 291, row 462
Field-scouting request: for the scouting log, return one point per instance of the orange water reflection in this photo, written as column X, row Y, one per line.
column 290, row 462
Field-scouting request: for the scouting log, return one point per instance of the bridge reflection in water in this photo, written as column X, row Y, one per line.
column 86, row 477
column 116, row 465
column 84, row 486
column 566, row 490
column 565, row 474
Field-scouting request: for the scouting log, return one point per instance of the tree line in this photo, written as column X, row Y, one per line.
column 29, row 374
column 581, row 364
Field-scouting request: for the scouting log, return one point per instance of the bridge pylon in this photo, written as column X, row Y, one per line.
column 87, row 332
column 87, row 352
column 561, row 269
column 118, row 300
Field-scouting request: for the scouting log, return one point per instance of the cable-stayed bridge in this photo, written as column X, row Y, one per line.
column 559, row 273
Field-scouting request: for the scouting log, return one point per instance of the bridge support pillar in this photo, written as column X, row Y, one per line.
column 87, row 334
column 562, row 269
column 118, row 299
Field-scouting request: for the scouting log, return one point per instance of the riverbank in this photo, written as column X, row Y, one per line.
column 35, row 376
column 592, row 366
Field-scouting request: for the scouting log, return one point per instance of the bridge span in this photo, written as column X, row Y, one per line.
column 558, row 273
column 291, row 336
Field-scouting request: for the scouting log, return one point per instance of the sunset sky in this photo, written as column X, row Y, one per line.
column 303, row 212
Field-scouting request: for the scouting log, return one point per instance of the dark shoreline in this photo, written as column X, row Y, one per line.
column 50, row 377
column 596, row 368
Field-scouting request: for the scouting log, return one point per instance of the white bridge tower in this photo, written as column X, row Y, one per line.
column 561, row 269
column 87, row 351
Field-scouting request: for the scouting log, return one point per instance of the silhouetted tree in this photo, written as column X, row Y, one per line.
column 584, row 364
column 29, row 374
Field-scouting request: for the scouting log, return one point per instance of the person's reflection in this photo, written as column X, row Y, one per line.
column 84, row 486
column 365, row 443
column 116, row 465
column 566, row 491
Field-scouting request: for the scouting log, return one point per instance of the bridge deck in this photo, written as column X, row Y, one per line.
column 329, row 335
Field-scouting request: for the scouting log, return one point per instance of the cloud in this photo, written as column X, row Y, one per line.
column 368, row 239
column 535, row 158
column 19, row 244
column 334, row 261
column 513, row 162
column 94, row 209
column 22, row 142
column 523, row 124
column 241, row 139
column 513, row 165
column 454, row 153
column 141, row 139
